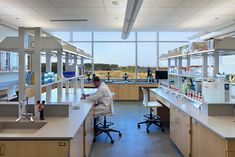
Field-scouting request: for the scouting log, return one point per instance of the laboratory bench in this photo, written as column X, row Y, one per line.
column 193, row 132
column 57, row 136
column 127, row 90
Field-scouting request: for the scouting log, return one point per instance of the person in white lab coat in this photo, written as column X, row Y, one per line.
column 102, row 98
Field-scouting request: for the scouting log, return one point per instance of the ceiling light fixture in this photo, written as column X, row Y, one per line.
column 132, row 10
column 115, row 3
column 68, row 20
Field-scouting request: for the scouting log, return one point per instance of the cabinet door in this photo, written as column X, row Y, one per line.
column 205, row 143
column 183, row 134
column 89, row 133
column 195, row 138
column 34, row 148
column 77, row 145
column 123, row 92
column 133, row 92
column 114, row 88
column 172, row 124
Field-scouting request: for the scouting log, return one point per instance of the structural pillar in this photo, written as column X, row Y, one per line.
column 36, row 67
column 59, row 75
column 215, row 63
column 76, row 79
column 66, row 69
column 204, row 65
column 21, row 79
column 48, row 69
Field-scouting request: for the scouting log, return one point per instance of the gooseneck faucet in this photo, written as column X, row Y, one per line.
column 25, row 114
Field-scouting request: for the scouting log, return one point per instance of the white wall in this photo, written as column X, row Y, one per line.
column 5, row 31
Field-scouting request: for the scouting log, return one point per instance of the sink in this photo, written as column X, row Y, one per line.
column 20, row 127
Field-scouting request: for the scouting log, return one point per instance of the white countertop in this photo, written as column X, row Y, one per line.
column 224, row 126
column 57, row 127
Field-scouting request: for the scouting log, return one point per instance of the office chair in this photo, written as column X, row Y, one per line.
column 105, row 127
column 150, row 118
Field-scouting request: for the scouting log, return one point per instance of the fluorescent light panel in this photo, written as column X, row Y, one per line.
column 132, row 10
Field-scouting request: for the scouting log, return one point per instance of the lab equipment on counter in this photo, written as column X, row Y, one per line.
column 68, row 74
column 125, row 77
column 41, row 110
column 216, row 91
column 23, row 111
column 30, row 78
column 150, row 75
column 88, row 76
column 161, row 75
column 48, row 77
column 108, row 77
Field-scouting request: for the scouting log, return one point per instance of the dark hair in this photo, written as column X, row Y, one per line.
column 96, row 79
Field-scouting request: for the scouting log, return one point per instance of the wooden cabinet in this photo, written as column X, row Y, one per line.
column 47, row 148
column 115, row 89
column 126, row 91
column 77, row 144
column 206, row 143
column 89, row 133
column 180, row 128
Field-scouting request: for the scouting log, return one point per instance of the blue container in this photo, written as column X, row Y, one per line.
column 69, row 74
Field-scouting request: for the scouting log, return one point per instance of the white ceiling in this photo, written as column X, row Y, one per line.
column 102, row 15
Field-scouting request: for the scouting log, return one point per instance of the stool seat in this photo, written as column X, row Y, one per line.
column 150, row 118
column 154, row 104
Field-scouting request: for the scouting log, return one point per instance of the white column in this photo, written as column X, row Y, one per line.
column 215, row 63
column 60, row 75
column 136, row 57
column 66, row 69
column 48, row 69
column 188, row 62
column 204, row 65
column 92, row 53
column 75, row 80
column 36, row 67
column 22, row 87
column 157, row 51
column 82, row 73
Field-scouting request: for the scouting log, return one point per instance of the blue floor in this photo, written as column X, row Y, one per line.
column 134, row 142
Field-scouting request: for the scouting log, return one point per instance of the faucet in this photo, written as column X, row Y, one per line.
column 26, row 115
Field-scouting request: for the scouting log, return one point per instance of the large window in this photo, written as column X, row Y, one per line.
column 82, row 36
column 147, row 57
column 14, row 61
column 117, row 58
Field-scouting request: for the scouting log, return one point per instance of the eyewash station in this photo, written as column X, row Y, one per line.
column 47, row 116
column 198, row 99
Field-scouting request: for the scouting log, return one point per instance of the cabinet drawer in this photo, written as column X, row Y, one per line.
column 230, row 145
column 230, row 154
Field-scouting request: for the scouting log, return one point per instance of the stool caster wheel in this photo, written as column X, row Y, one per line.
column 138, row 126
column 112, row 141
column 163, row 130
column 94, row 140
column 120, row 134
column 148, row 131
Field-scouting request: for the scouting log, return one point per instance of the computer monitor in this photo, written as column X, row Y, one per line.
column 161, row 75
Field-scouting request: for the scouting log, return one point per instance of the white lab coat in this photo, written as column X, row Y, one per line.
column 103, row 98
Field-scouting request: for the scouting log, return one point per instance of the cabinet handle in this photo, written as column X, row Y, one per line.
column 2, row 149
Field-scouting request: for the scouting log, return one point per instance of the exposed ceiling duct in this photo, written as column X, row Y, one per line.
column 132, row 10
column 226, row 31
